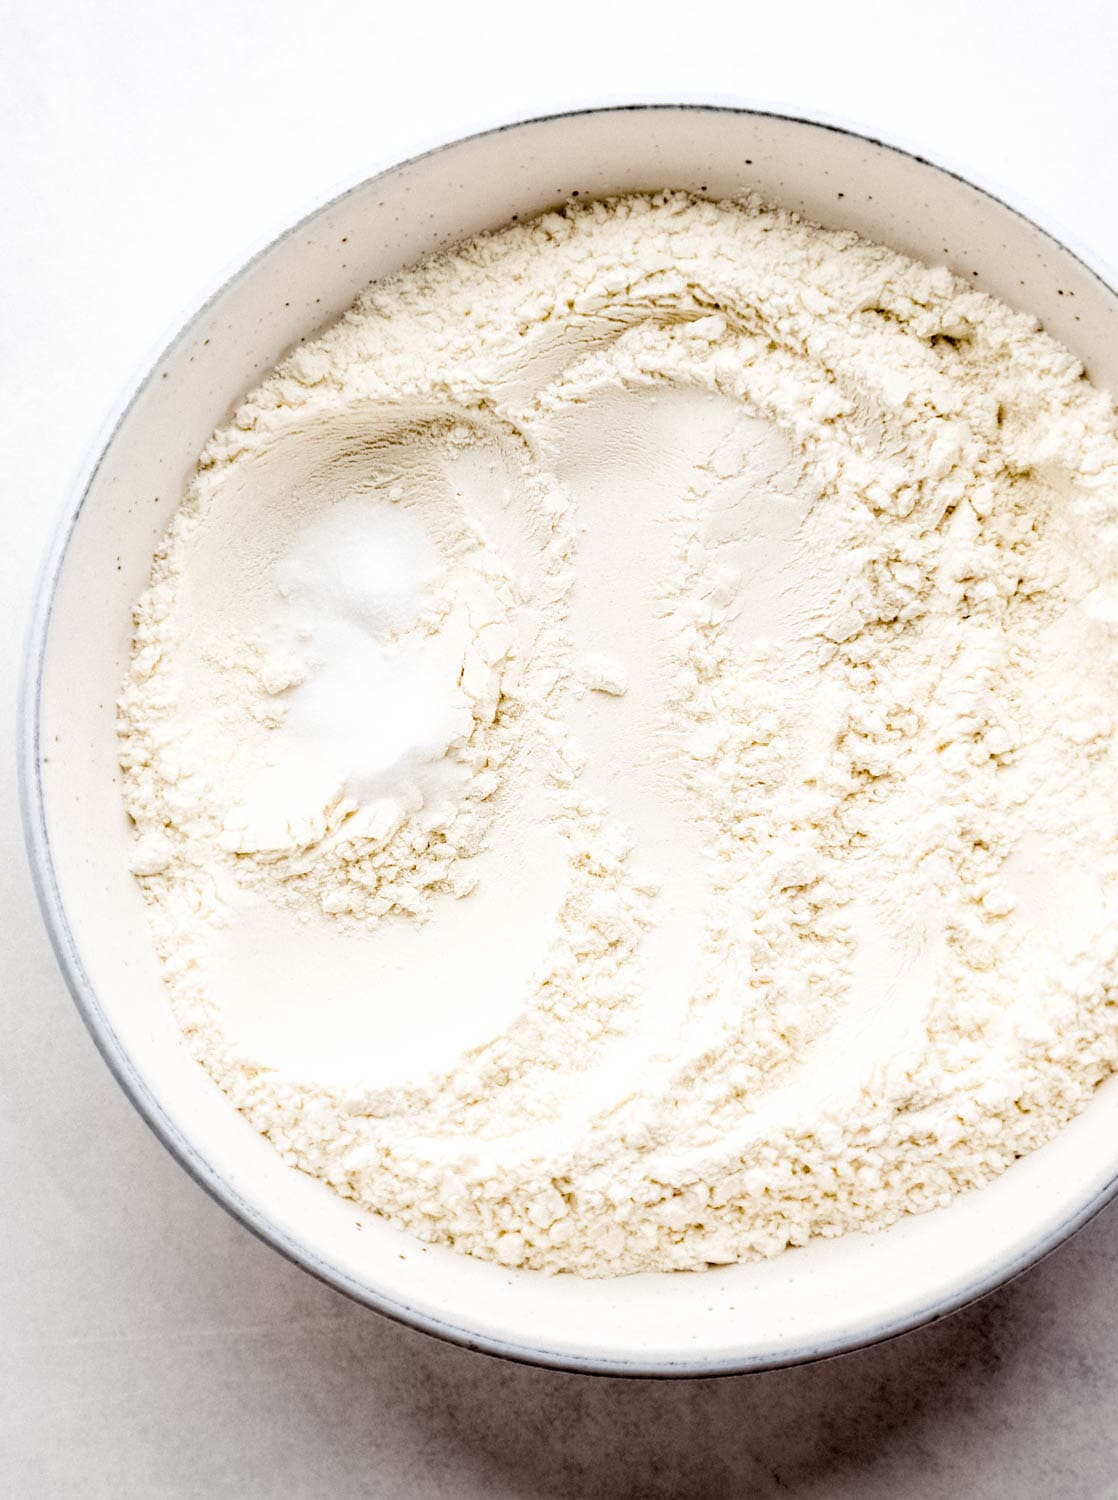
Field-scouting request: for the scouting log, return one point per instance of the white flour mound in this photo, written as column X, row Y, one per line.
column 621, row 741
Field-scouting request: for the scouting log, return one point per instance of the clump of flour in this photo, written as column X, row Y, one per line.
column 744, row 594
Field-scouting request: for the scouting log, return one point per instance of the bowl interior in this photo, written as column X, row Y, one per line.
column 807, row 1302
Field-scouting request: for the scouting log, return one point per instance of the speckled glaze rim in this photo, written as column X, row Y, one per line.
column 44, row 874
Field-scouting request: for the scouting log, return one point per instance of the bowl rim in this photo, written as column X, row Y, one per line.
column 32, row 798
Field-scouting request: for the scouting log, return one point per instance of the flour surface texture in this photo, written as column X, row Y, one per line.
column 621, row 741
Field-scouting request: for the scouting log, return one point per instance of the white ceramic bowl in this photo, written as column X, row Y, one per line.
column 828, row 1297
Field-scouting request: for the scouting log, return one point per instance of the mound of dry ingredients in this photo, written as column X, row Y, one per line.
column 620, row 737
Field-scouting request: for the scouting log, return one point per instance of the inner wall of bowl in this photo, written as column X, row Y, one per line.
column 809, row 1301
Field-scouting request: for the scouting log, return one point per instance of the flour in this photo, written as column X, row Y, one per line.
column 620, row 737
column 602, row 675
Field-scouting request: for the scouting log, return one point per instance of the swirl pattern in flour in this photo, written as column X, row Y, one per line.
column 621, row 741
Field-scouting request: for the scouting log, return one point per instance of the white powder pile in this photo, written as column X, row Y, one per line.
column 621, row 741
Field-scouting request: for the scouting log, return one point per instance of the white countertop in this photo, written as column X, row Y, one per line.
column 149, row 1346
